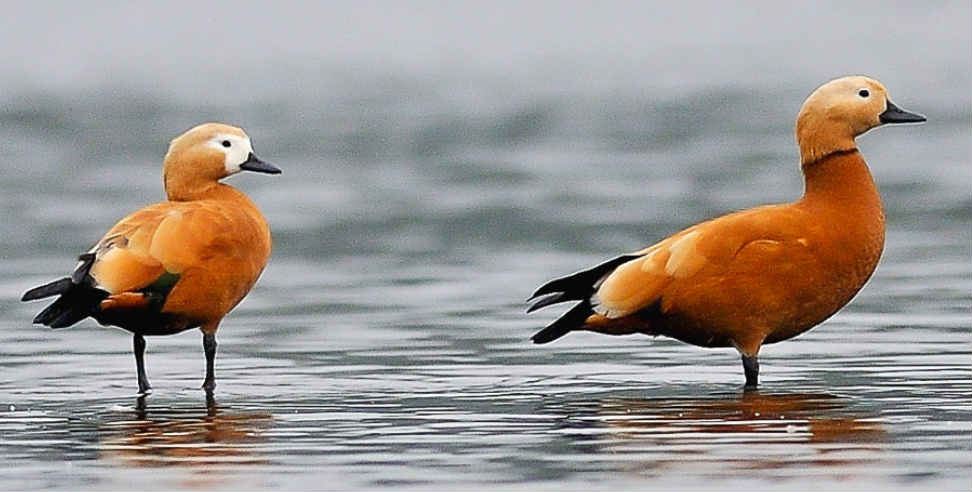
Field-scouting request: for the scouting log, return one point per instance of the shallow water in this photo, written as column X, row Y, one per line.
column 386, row 345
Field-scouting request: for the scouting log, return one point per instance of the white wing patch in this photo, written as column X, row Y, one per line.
column 648, row 263
column 101, row 249
column 596, row 304
column 161, row 245
column 620, row 278
column 635, row 284
column 599, row 308
column 684, row 260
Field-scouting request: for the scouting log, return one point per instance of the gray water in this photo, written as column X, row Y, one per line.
column 425, row 196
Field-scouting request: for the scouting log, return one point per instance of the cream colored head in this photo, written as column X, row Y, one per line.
column 200, row 157
column 842, row 109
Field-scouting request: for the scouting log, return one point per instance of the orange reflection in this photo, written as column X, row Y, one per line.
column 740, row 432
column 186, row 438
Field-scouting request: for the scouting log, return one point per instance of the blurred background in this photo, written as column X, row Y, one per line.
column 441, row 160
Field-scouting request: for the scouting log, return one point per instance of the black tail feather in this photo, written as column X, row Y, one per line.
column 548, row 300
column 81, row 273
column 54, row 288
column 571, row 320
column 575, row 287
column 579, row 285
column 79, row 302
column 79, row 298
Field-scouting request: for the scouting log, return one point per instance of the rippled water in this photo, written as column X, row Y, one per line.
column 386, row 345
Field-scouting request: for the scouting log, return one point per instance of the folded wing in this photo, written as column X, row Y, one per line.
column 657, row 278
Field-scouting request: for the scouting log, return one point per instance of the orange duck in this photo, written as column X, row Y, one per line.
column 180, row 264
column 756, row 276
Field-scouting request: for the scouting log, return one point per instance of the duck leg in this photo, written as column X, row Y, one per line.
column 209, row 346
column 751, row 368
column 138, row 343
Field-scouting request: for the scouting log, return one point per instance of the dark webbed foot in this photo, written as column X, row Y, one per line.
column 751, row 368
column 138, row 344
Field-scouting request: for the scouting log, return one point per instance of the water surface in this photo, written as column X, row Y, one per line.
column 386, row 345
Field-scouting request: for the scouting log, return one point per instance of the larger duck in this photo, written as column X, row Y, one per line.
column 757, row 276
column 176, row 265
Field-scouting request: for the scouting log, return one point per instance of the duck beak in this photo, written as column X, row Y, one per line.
column 253, row 163
column 894, row 114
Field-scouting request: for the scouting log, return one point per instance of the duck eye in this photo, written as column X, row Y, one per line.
column 862, row 93
column 226, row 143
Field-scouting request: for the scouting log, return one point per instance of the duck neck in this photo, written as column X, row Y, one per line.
column 212, row 190
column 843, row 199
column 184, row 187
column 841, row 179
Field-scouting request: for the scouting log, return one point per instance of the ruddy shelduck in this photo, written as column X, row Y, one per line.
column 761, row 275
column 175, row 265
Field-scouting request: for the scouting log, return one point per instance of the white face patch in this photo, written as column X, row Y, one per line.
column 236, row 148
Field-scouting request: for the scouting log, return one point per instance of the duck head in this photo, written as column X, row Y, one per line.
column 200, row 157
column 842, row 109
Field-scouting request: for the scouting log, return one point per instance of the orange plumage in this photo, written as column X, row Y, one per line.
column 761, row 275
column 179, row 264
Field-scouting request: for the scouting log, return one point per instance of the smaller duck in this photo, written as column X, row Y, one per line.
column 176, row 265
column 757, row 276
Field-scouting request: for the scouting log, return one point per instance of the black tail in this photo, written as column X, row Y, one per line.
column 577, row 286
column 569, row 321
column 47, row 290
column 78, row 297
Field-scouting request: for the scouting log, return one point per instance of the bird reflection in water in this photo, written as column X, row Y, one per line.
column 187, row 437
column 732, row 434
